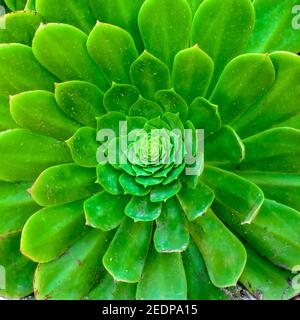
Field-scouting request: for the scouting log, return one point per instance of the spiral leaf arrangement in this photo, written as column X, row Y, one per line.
column 144, row 228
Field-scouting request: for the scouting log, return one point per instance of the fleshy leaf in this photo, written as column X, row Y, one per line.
column 127, row 265
column 149, row 75
column 244, row 80
column 163, row 193
column 275, row 150
column 165, row 31
column 145, row 108
column 192, row 72
column 80, row 100
column 111, row 121
column 142, row 209
column 73, row 12
column 16, row 206
column 63, row 184
column 39, row 112
column 18, row 64
column 171, row 234
column 105, row 211
column 194, row 4
column 113, row 49
column 130, row 186
column 77, row 268
column 199, row 284
column 120, row 97
column 195, row 202
column 109, row 289
column 6, row 121
column 108, row 178
column 224, row 255
column 222, row 30
column 278, row 33
column 50, row 231
column 240, row 195
column 35, row 153
column 61, row 49
column 163, row 278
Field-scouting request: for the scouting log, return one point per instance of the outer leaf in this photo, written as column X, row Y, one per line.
column 278, row 33
column 165, row 31
column 16, row 206
column 222, row 30
column 6, row 121
column 77, row 269
column 192, row 72
column 108, row 178
column 242, row 196
column 50, row 231
column 74, row 12
column 80, row 100
column 127, row 265
column 195, row 202
column 61, row 49
column 113, row 49
column 63, row 184
column 171, row 234
column 17, row 67
column 35, row 153
column 163, row 278
column 105, row 211
column 224, row 255
column 149, row 75
column 268, row 111
column 244, row 80
column 39, row 112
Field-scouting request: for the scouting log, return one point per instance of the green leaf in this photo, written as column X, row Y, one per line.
column 163, row 193
column 113, row 49
column 224, row 255
column 204, row 115
column 274, row 232
column 18, row 269
column 50, row 231
column 192, row 72
column 82, row 101
column 244, row 80
column 6, row 121
column 130, row 186
column 224, row 147
column 105, row 211
column 127, row 265
column 240, row 195
column 74, row 12
column 17, row 67
column 39, row 112
column 170, row 101
column 163, row 278
column 108, row 178
column 269, row 111
column 171, row 234
column 61, row 49
column 194, row 4
column 35, row 153
column 278, row 33
column 15, row 4
column 120, row 97
column 222, row 30
column 145, row 108
column 120, row 13
column 142, row 209
column 20, row 27
column 111, row 121
column 276, row 150
column 83, row 147
column 149, row 75
column 283, row 188
column 165, row 31
column 195, row 202
column 63, row 184
column 71, row 276
column 16, row 206
column 265, row 281
column 199, row 283
column 109, row 289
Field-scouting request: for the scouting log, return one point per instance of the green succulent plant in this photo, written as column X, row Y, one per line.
column 144, row 229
